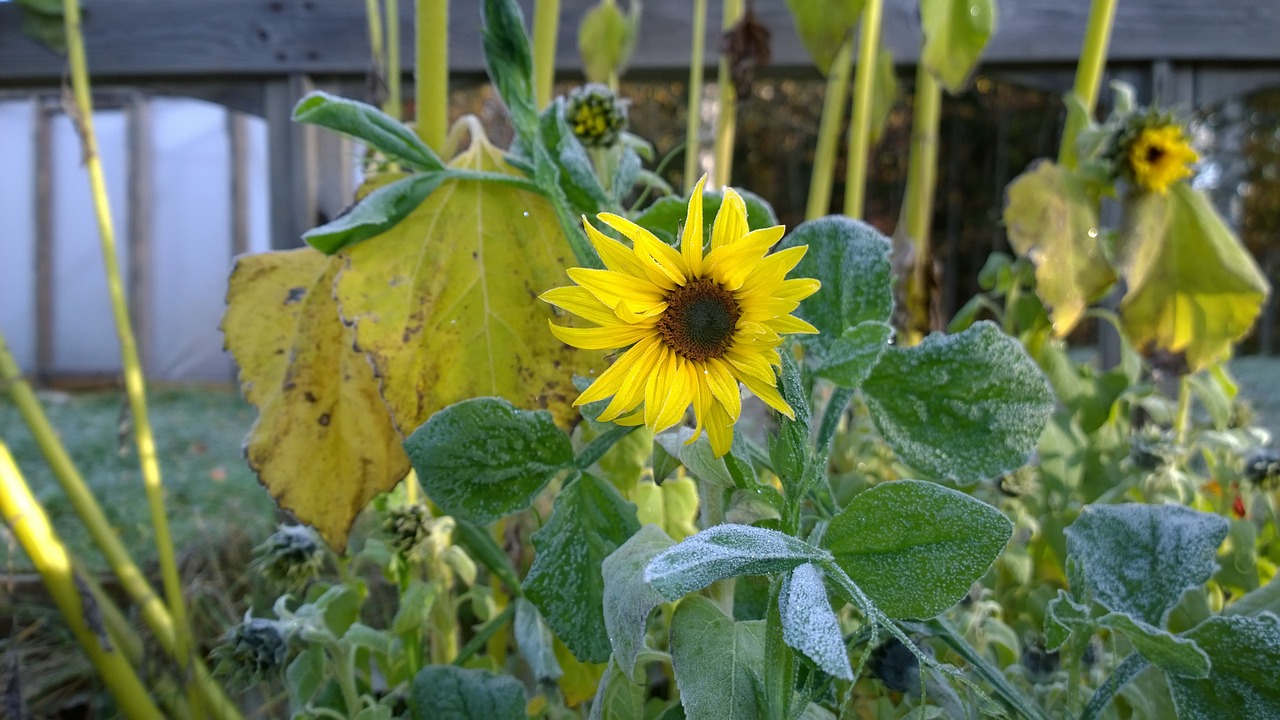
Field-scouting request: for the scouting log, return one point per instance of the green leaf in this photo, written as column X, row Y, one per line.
column 725, row 551
column 808, row 622
column 672, row 506
column 369, row 125
column 962, row 407
column 605, row 40
column 1052, row 221
column 789, row 448
column 375, row 641
column 1246, row 663
column 415, row 607
column 1175, row 655
column 480, row 545
column 378, row 212
column 914, row 547
column 1063, row 617
column 665, row 216
column 447, row 692
column 482, row 459
column 577, row 175
column 1193, row 288
column 617, row 697
column 1258, row 601
column 510, row 64
column 955, row 34
column 883, row 95
column 628, row 600
column 305, row 675
column 823, row 26
column 697, row 456
column 535, row 642
column 717, row 662
column 588, row 522
column 42, row 21
column 1139, row 559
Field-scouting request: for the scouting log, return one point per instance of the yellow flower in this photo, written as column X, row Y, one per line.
column 695, row 325
column 1158, row 157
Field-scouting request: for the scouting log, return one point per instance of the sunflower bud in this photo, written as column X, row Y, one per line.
column 252, row 652
column 291, row 557
column 1263, row 468
column 407, row 528
column 596, row 115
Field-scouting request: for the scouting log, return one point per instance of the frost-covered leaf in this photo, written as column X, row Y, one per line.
column 447, row 692
column 578, row 178
column 1139, row 559
column 1193, row 288
column 823, row 26
column 1173, row 654
column 510, row 63
column 789, row 447
column 808, row 622
column 725, row 551
column 1063, row 617
column 588, row 522
column 628, row 599
column 1053, row 222
column 697, row 457
column 961, row 407
column 535, row 642
column 667, row 214
column 914, row 547
column 1246, row 662
column 1258, row 600
column 955, row 34
column 717, row 662
column 444, row 303
column 672, row 506
column 323, row 444
column 484, row 458
column 617, row 697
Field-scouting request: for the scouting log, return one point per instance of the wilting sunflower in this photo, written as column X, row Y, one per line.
column 694, row 325
column 1158, row 155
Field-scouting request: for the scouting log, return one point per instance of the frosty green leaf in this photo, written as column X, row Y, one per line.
column 955, row 33
column 725, row 551
column 628, row 600
column 446, row 692
column 510, row 64
column 1062, row 617
column 717, row 662
column 697, row 456
column 1246, row 663
column 808, row 622
column 378, row 212
column 1175, row 655
column 535, row 642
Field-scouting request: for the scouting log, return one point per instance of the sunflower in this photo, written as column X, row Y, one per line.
column 694, row 325
column 1158, row 157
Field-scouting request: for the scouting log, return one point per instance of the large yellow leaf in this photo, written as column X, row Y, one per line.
column 446, row 304
column 1193, row 288
column 323, row 444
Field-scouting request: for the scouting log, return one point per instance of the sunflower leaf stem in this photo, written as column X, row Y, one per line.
column 1093, row 59
column 917, row 208
column 601, row 445
column 779, row 674
column 483, row 634
column 546, row 25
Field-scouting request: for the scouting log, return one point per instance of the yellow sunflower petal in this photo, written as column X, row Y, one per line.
column 730, row 264
column 606, row 337
column 638, row 368
column 724, row 387
column 615, row 256
column 691, row 237
column 635, row 418
column 761, row 308
column 649, row 249
column 655, row 384
column 731, row 220
column 768, row 274
column 797, row 288
column 791, row 324
column 612, row 379
column 769, row 394
column 611, row 287
column 719, row 429
column 679, row 395
column 580, row 302
column 702, row 401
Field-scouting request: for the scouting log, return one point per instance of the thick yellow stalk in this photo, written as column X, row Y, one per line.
column 693, row 119
column 546, row 28
column 727, row 121
column 1093, row 59
column 824, row 155
column 864, row 83
column 395, row 101
column 31, row 527
column 431, row 74
column 917, row 209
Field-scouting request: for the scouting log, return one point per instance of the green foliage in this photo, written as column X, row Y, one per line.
column 824, row 26
column 718, row 662
column 444, row 692
column 955, row 34
column 367, row 124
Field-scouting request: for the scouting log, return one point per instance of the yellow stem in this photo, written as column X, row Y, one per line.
column 395, row 102
column 133, row 377
column 373, row 16
column 864, row 82
column 917, row 209
column 1093, row 59
column 693, row 121
column 824, row 156
column 546, row 28
column 726, row 122
column 31, row 527
column 431, row 76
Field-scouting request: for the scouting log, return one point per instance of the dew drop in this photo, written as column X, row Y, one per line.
column 1093, row 232
column 974, row 11
column 526, row 213
column 453, row 322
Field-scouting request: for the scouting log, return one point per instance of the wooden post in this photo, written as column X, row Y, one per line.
column 238, row 142
column 291, row 151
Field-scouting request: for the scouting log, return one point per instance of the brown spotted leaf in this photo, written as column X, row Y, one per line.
column 323, row 444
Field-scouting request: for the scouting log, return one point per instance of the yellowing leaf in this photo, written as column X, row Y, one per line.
column 955, row 34
column 323, row 444
column 1052, row 222
column 672, row 506
column 1193, row 288
column 446, row 304
column 823, row 26
column 605, row 40
column 579, row 681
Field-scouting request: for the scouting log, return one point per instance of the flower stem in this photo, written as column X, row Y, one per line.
column 1093, row 59
column 431, row 71
column 1127, row 670
column 917, row 209
column 546, row 28
column 864, row 83
column 780, row 672
column 133, row 376
column 726, row 121
column 373, row 18
column 693, row 118
column 1182, row 421
column 395, row 102
column 828, row 132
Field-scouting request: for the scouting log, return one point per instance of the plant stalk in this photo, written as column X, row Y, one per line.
column 693, row 118
column 1093, row 59
column 395, row 101
column 133, row 375
column 373, row 19
column 727, row 120
column 917, row 209
column 864, row 83
column 31, row 527
column 824, row 157
column 780, row 673
column 1182, row 421
column 431, row 71
column 546, row 28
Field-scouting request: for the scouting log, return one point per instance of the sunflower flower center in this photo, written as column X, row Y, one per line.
column 699, row 320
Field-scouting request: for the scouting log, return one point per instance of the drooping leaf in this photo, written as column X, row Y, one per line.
column 963, row 407
column 445, row 303
column 580, row 680
column 1052, row 221
column 824, row 25
column 628, row 599
column 725, row 551
column 1139, row 559
column 534, row 639
column 1192, row 286
column 510, row 64
column 448, row 692
column 323, row 444
column 588, row 522
column 42, row 21
column 808, row 622
column 1174, row 654
column 369, row 125
column 378, row 212
column 666, row 215
column 914, row 547
column 483, row 458
column 718, row 662
column 605, row 39
column 672, row 506
column 1246, row 662
column 955, row 34
column 1257, row 601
